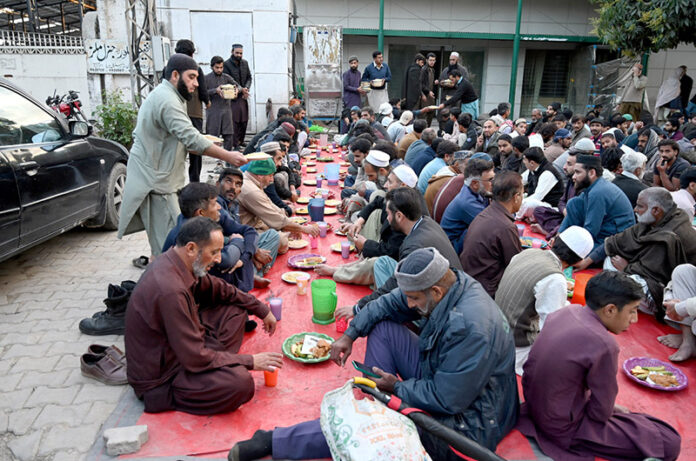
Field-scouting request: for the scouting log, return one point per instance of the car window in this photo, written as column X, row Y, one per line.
column 22, row 122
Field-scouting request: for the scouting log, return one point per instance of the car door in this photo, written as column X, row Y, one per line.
column 57, row 176
column 9, row 207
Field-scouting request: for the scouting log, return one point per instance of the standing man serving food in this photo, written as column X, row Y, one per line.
column 377, row 70
column 156, row 165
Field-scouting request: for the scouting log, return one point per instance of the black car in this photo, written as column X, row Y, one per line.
column 53, row 175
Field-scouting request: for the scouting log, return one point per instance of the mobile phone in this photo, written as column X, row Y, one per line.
column 361, row 367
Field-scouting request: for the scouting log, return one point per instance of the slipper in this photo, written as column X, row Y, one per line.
column 141, row 262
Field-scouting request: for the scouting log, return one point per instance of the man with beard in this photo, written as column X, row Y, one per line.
column 412, row 85
column 544, row 182
column 219, row 114
column 238, row 69
column 373, row 235
column 161, row 138
column 599, row 206
column 352, row 93
column 458, row 367
column 184, row 329
column 471, row 200
column 580, row 130
column 551, row 111
column 649, row 251
column 427, row 84
column 597, row 127
column 669, row 166
column 629, row 179
column 488, row 140
column 447, row 86
column 464, row 95
column 549, row 219
column 229, row 186
column 536, row 122
column 193, row 107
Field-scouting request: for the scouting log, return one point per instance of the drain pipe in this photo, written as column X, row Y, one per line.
column 380, row 33
column 515, row 54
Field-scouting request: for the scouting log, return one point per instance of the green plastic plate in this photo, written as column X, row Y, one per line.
column 287, row 344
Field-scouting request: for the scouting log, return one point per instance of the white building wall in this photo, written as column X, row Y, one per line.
column 41, row 74
column 272, row 51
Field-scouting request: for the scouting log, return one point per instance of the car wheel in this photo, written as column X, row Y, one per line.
column 114, row 195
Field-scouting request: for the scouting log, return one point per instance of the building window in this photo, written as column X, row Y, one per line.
column 554, row 79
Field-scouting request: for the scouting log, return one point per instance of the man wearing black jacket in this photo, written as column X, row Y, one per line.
column 412, row 85
column 194, row 109
column 238, row 69
column 464, row 95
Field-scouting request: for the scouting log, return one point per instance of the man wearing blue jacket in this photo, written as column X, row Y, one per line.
column 236, row 266
column 598, row 206
column 460, row 368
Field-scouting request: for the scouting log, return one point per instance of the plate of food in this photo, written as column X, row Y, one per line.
column 570, row 283
column 318, row 193
column 344, row 163
column 655, row 374
column 212, row 138
column 336, row 247
column 303, row 200
column 533, row 242
column 292, row 276
column 297, row 244
column 302, row 210
column 310, row 164
column 308, row 347
column 332, row 203
column 338, row 232
column 299, row 219
column 309, row 182
column 330, row 211
column 311, row 170
column 257, row 156
column 325, row 159
column 306, row 261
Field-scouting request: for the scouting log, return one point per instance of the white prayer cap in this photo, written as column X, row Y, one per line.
column 454, row 54
column 378, row 158
column 497, row 119
column 536, row 140
column 626, row 149
column 406, row 117
column 585, row 146
column 578, row 239
column 406, row 175
column 385, row 108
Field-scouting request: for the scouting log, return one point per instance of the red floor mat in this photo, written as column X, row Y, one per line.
column 301, row 387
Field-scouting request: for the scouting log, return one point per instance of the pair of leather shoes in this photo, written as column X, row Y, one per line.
column 106, row 364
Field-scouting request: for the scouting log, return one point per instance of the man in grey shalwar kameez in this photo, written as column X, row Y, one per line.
column 219, row 114
column 156, row 166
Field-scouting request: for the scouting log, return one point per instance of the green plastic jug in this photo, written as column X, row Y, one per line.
column 324, row 300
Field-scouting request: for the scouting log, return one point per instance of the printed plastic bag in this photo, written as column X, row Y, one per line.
column 366, row 429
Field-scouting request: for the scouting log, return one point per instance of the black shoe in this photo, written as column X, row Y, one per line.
column 104, row 323
column 257, row 447
column 250, row 326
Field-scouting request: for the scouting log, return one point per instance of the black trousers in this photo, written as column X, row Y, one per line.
column 239, row 132
column 196, row 160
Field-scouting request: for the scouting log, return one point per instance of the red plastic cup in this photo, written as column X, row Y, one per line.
column 271, row 378
column 341, row 325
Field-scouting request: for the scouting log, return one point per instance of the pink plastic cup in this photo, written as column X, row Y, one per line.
column 323, row 228
column 313, row 242
column 341, row 325
column 276, row 307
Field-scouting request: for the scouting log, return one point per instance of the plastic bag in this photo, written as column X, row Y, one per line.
column 366, row 429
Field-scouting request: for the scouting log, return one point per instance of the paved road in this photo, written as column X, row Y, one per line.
column 48, row 410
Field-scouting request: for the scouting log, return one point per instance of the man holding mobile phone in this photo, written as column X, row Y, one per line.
column 459, row 367
column 669, row 166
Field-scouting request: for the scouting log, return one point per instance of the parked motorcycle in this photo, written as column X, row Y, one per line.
column 69, row 105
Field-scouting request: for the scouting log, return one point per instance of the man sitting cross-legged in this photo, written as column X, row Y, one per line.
column 680, row 302
column 570, row 384
column 229, row 186
column 235, row 267
column 458, row 368
column 649, row 251
column 257, row 210
column 533, row 286
column 184, row 329
column 372, row 234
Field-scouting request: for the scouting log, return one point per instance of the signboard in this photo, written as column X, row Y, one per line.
column 111, row 57
column 323, row 47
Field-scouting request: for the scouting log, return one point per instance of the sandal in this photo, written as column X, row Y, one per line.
column 141, row 262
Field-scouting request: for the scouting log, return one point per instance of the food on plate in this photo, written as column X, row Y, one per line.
column 330, row 211
column 311, row 261
column 299, row 219
column 309, row 182
column 325, row 159
column 291, row 277
column 212, row 138
column 257, row 156
column 657, row 375
column 322, row 349
column 302, row 210
column 570, row 284
column 299, row 243
column 303, row 200
column 311, row 170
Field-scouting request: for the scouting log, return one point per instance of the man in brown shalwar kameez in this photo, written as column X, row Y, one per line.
column 184, row 329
